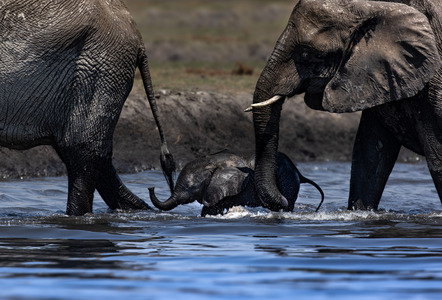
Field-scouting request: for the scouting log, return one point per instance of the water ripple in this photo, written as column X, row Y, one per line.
column 247, row 253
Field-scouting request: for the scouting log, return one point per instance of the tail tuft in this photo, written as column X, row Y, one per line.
column 168, row 166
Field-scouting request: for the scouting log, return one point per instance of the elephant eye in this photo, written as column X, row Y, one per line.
column 305, row 54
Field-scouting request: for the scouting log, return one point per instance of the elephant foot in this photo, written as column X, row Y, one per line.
column 359, row 205
column 132, row 202
column 212, row 211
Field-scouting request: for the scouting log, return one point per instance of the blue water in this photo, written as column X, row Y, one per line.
column 395, row 253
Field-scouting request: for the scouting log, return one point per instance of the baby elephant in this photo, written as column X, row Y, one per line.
column 224, row 180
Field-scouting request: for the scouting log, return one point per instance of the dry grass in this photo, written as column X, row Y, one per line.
column 196, row 44
column 206, row 76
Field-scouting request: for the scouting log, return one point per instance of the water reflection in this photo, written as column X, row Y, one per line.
column 55, row 253
column 248, row 253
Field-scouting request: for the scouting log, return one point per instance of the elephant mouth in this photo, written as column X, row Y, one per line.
column 304, row 86
column 314, row 100
column 313, row 95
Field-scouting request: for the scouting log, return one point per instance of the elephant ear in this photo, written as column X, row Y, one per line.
column 392, row 55
column 225, row 182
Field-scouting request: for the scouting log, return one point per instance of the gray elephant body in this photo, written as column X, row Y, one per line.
column 66, row 69
column 224, row 180
column 382, row 58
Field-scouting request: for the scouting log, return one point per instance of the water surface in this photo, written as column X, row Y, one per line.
column 395, row 253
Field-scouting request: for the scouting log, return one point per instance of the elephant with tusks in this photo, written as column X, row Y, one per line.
column 381, row 58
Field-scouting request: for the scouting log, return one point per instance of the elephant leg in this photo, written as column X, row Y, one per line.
column 80, row 194
column 437, row 179
column 433, row 155
column 212, row 211
column 114, row 192
column 223, row 206
column 374, row 154
column 82, row 175
column 430, row 126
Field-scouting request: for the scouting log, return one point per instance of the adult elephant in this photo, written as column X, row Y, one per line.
column 352, row 55
column 66, row 69
column 224, row 180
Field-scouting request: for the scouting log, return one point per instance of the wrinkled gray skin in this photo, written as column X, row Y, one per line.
column 379, row 58
column 224, row 180
column 66, row 69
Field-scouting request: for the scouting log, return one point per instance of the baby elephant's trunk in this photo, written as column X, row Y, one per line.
column 169, row 204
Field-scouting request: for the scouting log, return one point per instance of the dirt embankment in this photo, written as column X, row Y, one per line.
column 197, row 124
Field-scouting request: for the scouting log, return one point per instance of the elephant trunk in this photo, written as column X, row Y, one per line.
column 279, row 78
column 266, row 123
column 167, row 205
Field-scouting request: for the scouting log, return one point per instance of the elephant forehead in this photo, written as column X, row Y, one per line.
column 194, row 182
column 322, row 39
column 321, row 8
column 320, row 23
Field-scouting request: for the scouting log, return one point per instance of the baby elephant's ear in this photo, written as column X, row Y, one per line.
column 225, row 182
column 391, row 56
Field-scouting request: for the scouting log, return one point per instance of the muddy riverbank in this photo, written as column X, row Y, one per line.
column 196, row 124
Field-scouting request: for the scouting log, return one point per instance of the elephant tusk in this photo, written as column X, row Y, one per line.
column 265, row 103
column 268, row 102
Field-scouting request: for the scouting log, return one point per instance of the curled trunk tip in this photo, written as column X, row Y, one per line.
column 168, row 166
column 166, row 205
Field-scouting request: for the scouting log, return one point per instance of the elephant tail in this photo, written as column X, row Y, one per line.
column 166, row 158
column 169, row 204
column 309, row 181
